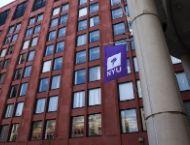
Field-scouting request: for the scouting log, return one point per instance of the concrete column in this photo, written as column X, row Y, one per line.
column 186, row 65
column 166, row 121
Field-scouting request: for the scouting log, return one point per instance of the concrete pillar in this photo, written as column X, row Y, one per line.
column 186, row 65
column 166, row 121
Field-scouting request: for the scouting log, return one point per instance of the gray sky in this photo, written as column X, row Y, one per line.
column 5, row 2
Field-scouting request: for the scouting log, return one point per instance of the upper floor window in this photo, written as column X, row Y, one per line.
column 38, row 4
column 119, row 28
column 83, row 12
column 94, row 8
column 3, row 17
column 19, row 12
column 182, row 81
column 115, row 2
column 126, row 91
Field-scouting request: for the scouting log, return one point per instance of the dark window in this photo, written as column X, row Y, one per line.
column 4, row 132
column 36, row 133
column 20, row 10
column 94, row 125
column 77, row 126
column 38, row 4
column 50, row 130
column 14, row 132
column 3, row 17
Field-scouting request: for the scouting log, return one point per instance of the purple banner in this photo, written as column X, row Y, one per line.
column 115, row 62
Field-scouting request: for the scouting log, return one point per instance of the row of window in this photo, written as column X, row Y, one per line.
column 94, row 126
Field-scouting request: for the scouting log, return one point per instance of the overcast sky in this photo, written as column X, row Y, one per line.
column 5, row 2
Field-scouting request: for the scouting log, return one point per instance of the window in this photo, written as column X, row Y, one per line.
column 129, row 121
column 40, row 106
column 44, row 85
column 3, row 17
column 56, row 80
column 79, row 99
column 18, row 74
column 126, row 91
column 54, row 22
column 34, row 42
column 47, row 66
column 115, row 2
column 94, row 97
column 94, row 36
column 60, row 47
column 56, row 11
column 83, row 12
column 52, row 35
column 94, row 8
column 81, row 2
column 182, row 81
column 49, row 50
column 94, row 73
column 143, row 119
column 82, row 25
column 58, row 63
column 117, row 13
column 81, row 57
column 81, row 40
column 136, row 64
column 19, row 109
column 94, row 21
column 3, row 52
column 65, row 8
column 94, row 53
column 26, row 44
column 19, row 12
column 175, row 60
column 38, row 4
column 29, row 32
column 36, row 133
column 14, row 132
column 53, row 104
column 50, row 130
column 187, row 109
column 37, row 29
column 62, row 32
column 27, row 71
column 31, row 56
column 80, row 77
column 94, row 125
column 23, row 89
column 63, row 19
column 40, row 17
column 139, row 89
column 4, row 132
column 13, row 91
column 2, row 78
column 32, row 21
column 119, row 29
column 9, row 110
column 77, row 126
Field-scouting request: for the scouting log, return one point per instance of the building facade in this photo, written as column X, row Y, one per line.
column 51, row 75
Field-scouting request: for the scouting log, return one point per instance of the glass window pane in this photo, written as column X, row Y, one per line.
column 56, row 80
column 80, row 77
column 77, row 126
column 94, row 125
column 36, row 130
column 182, row 81
column 50, row 130
column 79, row 99
column 129, row 121
column 40, row 105
column 126, row 91
column 94, row 73
column 53, row 104
column 94, row 97
column 14, row 132
column 19, row 109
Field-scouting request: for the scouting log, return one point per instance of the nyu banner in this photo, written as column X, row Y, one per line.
column 115, row 62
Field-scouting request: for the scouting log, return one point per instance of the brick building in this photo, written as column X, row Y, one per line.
column 51, row 70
